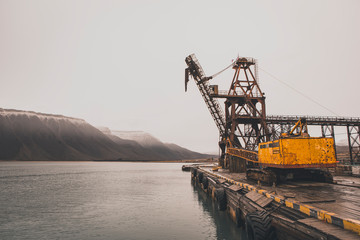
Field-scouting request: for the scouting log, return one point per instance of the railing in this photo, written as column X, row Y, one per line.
column 199, row 68
column 226, row 93
column 314, row 120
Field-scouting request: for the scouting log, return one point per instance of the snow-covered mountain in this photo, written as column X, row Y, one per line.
column 143, row 138
column 26, row 135
column 153, row 146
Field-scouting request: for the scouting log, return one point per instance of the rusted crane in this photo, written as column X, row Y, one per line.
column 244, row 129
column 244, row 123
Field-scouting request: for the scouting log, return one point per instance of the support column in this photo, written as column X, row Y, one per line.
column 328, row 131
column 354, row 143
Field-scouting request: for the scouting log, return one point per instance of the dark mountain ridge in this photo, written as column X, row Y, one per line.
column 153, row 145
column 26, row 135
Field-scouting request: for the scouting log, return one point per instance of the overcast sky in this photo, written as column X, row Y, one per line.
column 121, row 64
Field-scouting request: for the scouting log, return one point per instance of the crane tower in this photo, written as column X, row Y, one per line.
column 245, row 107
column 244, row 123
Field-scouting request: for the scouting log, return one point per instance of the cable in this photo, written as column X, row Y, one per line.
column 216, row 74
column 302, row 94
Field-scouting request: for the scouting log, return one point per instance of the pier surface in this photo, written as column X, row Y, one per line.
column 331, row 208
column 342, row 198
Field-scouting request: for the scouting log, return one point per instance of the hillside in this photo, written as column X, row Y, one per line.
column 26, row 135
column 155, row 147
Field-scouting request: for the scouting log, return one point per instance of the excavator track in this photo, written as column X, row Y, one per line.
column 272, row 176
column 262, row 175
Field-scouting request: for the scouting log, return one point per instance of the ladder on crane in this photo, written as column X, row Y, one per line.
column 195, row 70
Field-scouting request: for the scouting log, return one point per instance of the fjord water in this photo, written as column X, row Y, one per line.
column 106, row 200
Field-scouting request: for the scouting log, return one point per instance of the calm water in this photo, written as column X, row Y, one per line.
column 102, row 200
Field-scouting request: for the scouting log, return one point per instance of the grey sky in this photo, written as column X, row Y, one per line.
column 121, row 63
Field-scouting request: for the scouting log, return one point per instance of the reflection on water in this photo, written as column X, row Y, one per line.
column 225, row 227
column 104, row 200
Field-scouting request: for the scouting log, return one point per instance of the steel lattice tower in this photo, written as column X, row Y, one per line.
column 245, row 112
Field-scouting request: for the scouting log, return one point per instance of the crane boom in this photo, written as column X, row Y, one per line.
column 195, row 70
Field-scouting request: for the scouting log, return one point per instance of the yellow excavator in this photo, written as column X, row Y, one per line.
column 295, row 155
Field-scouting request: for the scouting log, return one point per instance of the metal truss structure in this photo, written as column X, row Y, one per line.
column 279, row 124
column 354, row 143
column 244, row 107
column 195, row 70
